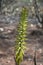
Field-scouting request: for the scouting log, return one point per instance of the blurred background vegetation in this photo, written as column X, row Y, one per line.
column 8, row 7
column 13, row 8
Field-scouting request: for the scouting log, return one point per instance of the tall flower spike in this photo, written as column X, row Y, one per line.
column 20, row 39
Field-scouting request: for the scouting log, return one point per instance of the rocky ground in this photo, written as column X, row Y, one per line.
column 7, row 43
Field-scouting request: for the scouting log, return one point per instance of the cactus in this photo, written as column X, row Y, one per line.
column 21, row 36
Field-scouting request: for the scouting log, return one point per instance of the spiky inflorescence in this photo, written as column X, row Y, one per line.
column 20, row 40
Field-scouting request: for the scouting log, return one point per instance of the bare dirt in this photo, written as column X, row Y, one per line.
column 7, row 43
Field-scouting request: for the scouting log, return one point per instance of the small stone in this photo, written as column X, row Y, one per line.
column 9, row 61
column 40, row 50
column 39, row 25
column 31, row 25
column 1, row 29
column 29, row 59
column 9, row 31
column 40, row 64
column 17, row 9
